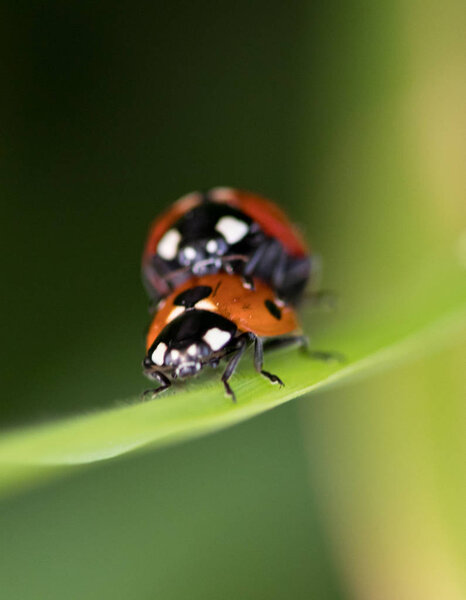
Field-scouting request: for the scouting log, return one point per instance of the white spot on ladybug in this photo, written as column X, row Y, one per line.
column 175, row 354
column 211, row 246
column 216, row 338
column 233, row 230
column 158, row 355
column 175, row 312
column 167, row 248
column 189, row 253
column 205, row 304
column 192, row 350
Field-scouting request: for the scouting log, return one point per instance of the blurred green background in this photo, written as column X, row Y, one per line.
column 351, row 114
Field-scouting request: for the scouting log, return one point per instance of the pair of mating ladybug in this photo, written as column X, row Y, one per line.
column 225, row 269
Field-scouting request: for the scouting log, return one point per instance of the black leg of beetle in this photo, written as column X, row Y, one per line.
column 258, row 361
column 284, row 342
column 280, row 270
column 165, row 383
column 295, row 278
column 233, row 363
column 254, row 260
column 271, row 254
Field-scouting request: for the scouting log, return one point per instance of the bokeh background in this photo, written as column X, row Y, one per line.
column 351, row 114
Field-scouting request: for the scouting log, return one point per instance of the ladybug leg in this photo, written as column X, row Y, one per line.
column 303, row 342
column 165, row 383
column 295, row 278
column 255, row 259
column 269, row 256
column 242, row 342
column 258, row 362
column 284, row 342
column 280, row 270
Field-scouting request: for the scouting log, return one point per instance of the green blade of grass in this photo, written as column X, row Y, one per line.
column 369, row 339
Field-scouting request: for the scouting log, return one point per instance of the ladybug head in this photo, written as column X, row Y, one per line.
column 203, row 256
column 209, row 232
column 189, row 342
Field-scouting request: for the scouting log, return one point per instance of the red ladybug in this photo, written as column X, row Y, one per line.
column 230, row 230
column 213, row 317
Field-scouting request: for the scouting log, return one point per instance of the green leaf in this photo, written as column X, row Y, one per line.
column 370, row 337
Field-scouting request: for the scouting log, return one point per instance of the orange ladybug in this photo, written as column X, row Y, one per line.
column 215, row 317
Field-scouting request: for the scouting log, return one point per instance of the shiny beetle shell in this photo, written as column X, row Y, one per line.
column 225, row 230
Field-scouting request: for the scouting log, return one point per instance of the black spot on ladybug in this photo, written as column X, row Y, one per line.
column 273, row 309
column 190, row 297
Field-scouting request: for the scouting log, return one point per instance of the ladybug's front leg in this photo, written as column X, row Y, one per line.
column 259, row 360
column 165, row 383
column 242, row 342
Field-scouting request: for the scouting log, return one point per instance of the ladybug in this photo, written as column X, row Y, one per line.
column 225, row 230
column 213, row 317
